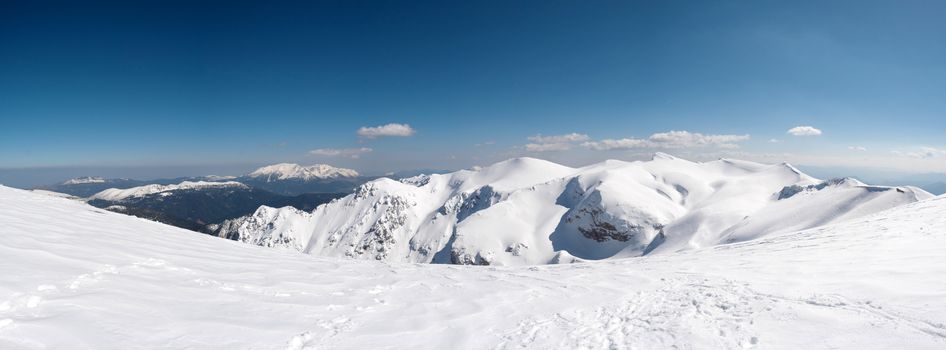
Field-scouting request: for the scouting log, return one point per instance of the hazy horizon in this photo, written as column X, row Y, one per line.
column 36, row 177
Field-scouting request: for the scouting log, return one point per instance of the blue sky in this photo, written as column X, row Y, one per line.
column 230, row 84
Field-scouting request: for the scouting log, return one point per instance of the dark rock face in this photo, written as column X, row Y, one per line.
column 226, row 229
column 601, row 230
column 592, row 218
column 463, row 258
column 466, row 204
column 379, row 240
column 482, row 198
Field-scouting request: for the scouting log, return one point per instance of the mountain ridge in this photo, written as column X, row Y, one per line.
column 292, row 171
column 530, row 211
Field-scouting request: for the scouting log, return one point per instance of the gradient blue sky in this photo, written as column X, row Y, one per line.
column 230, row 84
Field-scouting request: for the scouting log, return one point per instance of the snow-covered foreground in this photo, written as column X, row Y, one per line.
column 76, row 277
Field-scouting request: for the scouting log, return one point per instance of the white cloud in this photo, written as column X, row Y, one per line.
column 393, row 129
column 774, row 141
column 688, row 139
column 573, row 137
column 857, row 148
column 548, row 147
column 931, row 152
column 670, row 139
column 922, row 153
column 804, row 130
column 554, row 143
column 341, row 152
column 609, row 144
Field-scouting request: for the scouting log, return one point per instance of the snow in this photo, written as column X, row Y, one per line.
column 53, row 194
column 116, row 194
column 288, row 171
column 526, row 211
column 84, row 180
column 76, row 277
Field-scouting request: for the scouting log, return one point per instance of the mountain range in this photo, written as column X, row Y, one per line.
column 285, row 179
column 198, row 206
column 202, row 203
column 526, row 211
column 522, row 211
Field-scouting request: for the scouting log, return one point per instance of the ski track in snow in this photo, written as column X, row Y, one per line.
column 75, row 277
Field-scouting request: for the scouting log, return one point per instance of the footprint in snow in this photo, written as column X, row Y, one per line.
column 301, row 341
column 33, row 301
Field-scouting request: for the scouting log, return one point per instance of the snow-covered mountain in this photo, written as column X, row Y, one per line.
column 288, row 171
column 90, row 185
column 118, row 194
column 84, row 180
column 200, row 205
column 77, row 277
column 293, row 179
column 284, row 179
column 528, row 211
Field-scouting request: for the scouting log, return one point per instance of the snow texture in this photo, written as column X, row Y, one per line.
column 76, row 277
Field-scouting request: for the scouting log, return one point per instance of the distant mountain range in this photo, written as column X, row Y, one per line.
column 88, row 186
column 934, row 183
column 293, row 179
column 196, row 206
column 209, row 203
column 285, row 179
column 197, row 203
column 288, row 171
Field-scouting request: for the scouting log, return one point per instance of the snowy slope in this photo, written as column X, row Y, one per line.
column 288, row 171
column 76, row 277
column 54, row 194
column 116, row 194
column 528, row 211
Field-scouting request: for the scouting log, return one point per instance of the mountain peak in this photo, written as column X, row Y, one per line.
column 291, row 171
